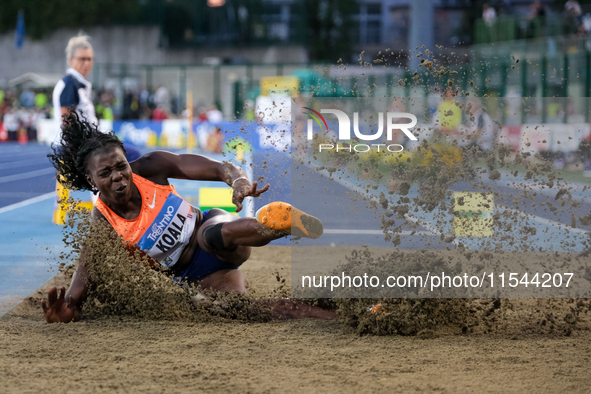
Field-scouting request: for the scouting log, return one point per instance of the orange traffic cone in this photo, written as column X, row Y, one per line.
column 22, row 137
column 3, row 133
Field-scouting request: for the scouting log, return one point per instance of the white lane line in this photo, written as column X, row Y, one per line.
column 364, row 193
column 26, row 175
column 30, row 201
column 373, row 232
column 22, row 163
column 9, row 156
column 539, row 219
column 18, row 194
column 426, row 225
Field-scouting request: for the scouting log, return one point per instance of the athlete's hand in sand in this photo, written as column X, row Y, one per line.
column 57, row 310
column 243, row 189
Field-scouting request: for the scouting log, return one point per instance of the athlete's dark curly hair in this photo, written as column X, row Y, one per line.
column 70, row 156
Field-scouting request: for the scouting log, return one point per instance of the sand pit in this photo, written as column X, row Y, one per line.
column 517, row 352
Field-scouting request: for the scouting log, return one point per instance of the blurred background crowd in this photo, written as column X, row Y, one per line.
column 20, row 110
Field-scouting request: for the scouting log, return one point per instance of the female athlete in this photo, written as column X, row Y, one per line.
column 140, row 204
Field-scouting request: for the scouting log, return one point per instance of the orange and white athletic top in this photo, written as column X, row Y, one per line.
column 165, row 223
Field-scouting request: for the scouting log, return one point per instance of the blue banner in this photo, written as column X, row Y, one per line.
column 211, row 137
column 145, row 133
column 251, row 135
column 20, row 30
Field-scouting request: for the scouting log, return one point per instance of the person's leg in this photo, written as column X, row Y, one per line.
column 290, row 309
column 237, row 231
column 213, row 238
column 225, row 281
column 228, row 281
column 224, row 244
column 230, row 237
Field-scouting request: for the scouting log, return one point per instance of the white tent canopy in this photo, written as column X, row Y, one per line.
column 35, row 81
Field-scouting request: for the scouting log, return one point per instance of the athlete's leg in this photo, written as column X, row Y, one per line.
column 290, row 309
column 225, row 281
column 229, row 237
column 212, row 239
column 234, row 281
column 235, row 231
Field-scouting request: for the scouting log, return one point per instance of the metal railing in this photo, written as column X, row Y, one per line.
column 508, row 28
column 555, row 78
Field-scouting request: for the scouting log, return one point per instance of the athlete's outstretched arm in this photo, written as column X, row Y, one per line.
column 164, row 165
column 67, row 306
column 158, row 166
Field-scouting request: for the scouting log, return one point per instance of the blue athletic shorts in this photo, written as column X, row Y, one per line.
column 203, row 263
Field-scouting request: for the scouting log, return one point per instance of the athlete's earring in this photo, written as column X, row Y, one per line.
column 93, row 188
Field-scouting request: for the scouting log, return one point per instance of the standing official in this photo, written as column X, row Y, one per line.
column 73, row 90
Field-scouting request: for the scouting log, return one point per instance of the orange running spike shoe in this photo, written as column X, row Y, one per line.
column 282, row 216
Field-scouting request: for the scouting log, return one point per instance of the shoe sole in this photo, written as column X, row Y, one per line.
column 284, row 217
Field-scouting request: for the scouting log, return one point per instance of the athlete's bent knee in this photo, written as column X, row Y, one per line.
column 214, row 240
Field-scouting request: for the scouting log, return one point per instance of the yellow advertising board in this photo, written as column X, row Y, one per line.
column 280, row 86
column 473, row 214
